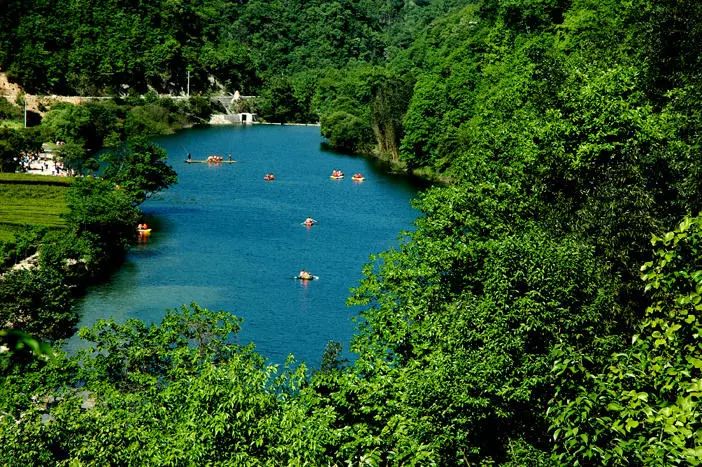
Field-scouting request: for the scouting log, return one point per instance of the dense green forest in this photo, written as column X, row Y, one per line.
column 547, row 308
column 87, row 47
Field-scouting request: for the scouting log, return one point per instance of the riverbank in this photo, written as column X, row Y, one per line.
column 78, row 238
column 425, row 174
column 228, row 119
column 288, row 124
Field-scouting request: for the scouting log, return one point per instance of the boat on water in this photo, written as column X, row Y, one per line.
column 357, row 177
column 208, row 161
column 269, row 177
column 336, row 174
column 144, row 231
column 309, row 277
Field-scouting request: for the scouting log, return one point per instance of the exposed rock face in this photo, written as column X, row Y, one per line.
column 37, row 104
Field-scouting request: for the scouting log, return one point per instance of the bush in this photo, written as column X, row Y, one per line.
column 346, row 131
column 147, row 120
column 9, row 111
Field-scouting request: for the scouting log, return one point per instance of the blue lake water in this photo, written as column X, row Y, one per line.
column 226, row 239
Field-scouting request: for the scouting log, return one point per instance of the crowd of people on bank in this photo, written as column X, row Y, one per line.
column 43, row 164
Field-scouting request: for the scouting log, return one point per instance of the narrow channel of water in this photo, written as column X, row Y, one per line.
column 226, row 239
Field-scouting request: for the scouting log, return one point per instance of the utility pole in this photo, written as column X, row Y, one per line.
column 188, row 83
column 25, row 110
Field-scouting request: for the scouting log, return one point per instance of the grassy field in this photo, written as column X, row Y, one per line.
column 33, row 179
column 36, row 200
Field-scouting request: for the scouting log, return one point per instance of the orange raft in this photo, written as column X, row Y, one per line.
column 143, row 230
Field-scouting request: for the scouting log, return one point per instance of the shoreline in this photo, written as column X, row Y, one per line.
column 288, row 124
column 221, row 119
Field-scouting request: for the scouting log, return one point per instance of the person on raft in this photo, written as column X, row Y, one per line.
column 309, row 221
column 304, row 274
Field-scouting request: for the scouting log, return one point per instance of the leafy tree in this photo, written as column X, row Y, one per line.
column 107, row 120
column 467, row 316
column 15, row 345
column 148, row 392
column 330, row 357
column 74, row 258
column 199, row 108
column 9, row 111
column 102, row 213
column 16, row 144
column 26, row 242
column 38, row 302
column 74, row 157
column 278, row 103
column 422, row 119
column 147, row 120
column 643, row 405
column 346, row 131
column 9, row 154
column 68, row 123
column 140, row 169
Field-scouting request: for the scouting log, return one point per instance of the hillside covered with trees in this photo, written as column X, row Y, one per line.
column 546, row 309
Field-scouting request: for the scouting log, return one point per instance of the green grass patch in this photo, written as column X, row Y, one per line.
column 14, row 124
column 35, row 200
column 33, row 179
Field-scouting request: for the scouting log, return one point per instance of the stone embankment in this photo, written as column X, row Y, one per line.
column 26, row 264
column 236, row 119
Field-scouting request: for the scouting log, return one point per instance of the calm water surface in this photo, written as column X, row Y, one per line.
column 227, row 240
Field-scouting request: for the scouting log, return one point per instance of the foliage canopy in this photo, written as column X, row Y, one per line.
column 500, row 330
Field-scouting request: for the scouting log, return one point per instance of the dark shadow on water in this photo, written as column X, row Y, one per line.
column 381, row 166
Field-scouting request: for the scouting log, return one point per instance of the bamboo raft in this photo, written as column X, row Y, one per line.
column 205, row 161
